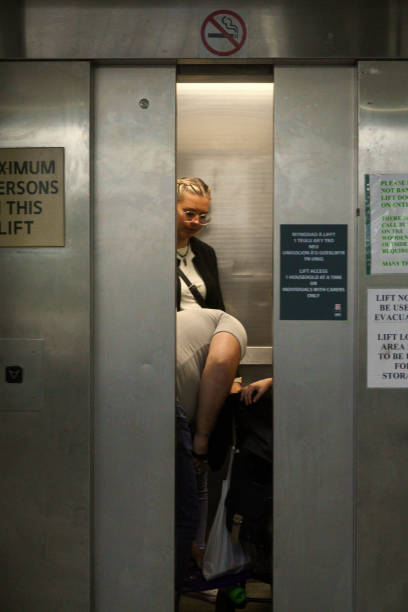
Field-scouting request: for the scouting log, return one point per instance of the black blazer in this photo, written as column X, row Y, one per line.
column 205, row 262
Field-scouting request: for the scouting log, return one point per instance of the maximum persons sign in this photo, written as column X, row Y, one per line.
column 223, row 33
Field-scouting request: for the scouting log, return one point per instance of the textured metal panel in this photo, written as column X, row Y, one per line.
column 134, row 337
column 382, row 531
column 313, row 360
column 46, row 294
column 158, row 29
column 225, row 136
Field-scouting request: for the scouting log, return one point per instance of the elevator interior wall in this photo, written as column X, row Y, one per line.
column 225, row 136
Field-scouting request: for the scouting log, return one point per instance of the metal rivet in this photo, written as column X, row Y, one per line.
column 144, row 103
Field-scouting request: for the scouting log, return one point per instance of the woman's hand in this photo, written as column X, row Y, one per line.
column 252, row 392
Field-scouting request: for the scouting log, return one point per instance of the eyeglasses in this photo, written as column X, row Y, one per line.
column 203, row 218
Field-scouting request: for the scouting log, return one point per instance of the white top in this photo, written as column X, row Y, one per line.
column 195, row 330
column 187, row 300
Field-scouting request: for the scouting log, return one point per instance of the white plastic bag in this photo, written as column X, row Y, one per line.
column 222, row 556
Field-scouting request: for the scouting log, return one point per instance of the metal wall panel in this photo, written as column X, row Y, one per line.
column 315, row 131
column 134, row 337
column 382, row 532
column 44, row 488
column 137, row 29
column 225, row 136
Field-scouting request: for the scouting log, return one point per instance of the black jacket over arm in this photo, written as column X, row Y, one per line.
column 205, row 262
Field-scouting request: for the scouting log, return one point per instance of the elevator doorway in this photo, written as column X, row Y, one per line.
column 225, row 137
column 134, row 324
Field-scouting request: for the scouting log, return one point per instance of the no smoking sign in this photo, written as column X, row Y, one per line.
column 223, row 33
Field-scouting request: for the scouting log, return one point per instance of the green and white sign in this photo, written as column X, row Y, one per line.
column 386, row 209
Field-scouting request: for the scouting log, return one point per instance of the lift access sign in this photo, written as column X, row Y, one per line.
column 223, row 33
column 32, row 197
column 313, row 272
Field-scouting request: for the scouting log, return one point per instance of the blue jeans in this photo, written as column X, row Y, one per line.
column 202, row 492
column 187, row 514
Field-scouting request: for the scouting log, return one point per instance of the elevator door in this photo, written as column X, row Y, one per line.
column 134, row 297
column 45, row 331
column 315, row 178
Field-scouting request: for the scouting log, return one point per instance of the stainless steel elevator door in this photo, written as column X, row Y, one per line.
column 315, row 179
column 45, row 329
column 224, row 136
column 134, row 306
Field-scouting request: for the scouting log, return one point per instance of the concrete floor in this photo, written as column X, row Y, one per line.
column 195, row 602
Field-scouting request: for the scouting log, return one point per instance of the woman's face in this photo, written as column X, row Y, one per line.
column 185, row 229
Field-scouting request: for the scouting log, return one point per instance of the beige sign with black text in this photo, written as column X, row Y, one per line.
column 32, row 197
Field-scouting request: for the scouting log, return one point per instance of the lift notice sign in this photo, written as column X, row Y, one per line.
column 387, row 338
column 313, row 283
column 32, row 197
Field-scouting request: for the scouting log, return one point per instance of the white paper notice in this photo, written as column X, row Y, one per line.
column 387, row 338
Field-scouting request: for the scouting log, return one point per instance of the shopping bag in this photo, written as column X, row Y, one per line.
column 222, row 555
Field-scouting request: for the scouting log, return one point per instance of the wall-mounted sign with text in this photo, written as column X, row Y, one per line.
column 313, row 278
column 32, row 197
column 387, row 338
column 386, row 221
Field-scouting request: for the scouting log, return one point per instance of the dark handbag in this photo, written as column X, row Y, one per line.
column 249, row 499
column 253, row 425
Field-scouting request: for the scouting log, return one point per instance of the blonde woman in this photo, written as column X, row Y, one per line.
column 198, row 287
column 198, row 284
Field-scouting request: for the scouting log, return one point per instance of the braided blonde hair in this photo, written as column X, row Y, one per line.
column 193, row 185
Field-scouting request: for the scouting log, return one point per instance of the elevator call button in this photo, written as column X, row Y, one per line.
column 14, row 374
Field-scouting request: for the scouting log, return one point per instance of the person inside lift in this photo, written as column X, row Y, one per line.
column 210, row 345
column 198, row 284
column 251, row 393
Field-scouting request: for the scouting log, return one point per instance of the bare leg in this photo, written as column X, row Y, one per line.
column 219, row 371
